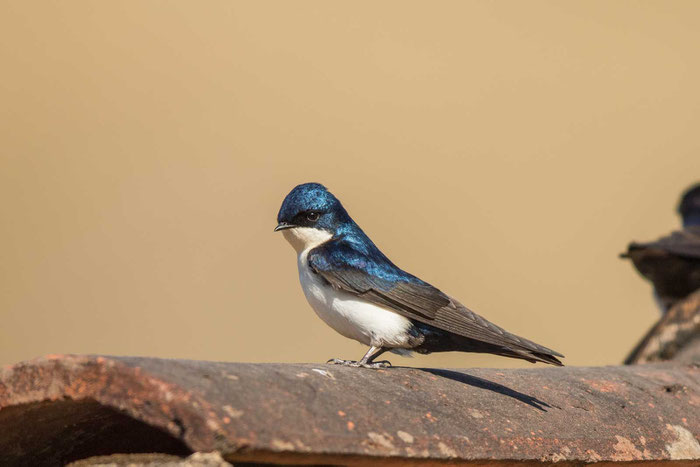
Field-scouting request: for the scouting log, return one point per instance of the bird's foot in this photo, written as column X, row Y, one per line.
column 377, row 365
column 337, row 361
column 356, row 364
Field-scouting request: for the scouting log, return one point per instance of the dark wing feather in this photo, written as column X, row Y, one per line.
column 671, row 263
column 684, row 242
column 379, row 281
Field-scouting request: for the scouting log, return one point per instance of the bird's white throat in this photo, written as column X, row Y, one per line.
column 306, row 238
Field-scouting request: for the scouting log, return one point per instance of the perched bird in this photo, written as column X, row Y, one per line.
column 672, row 263
column 361, row 294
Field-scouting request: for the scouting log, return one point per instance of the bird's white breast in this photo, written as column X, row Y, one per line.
column 349, row 315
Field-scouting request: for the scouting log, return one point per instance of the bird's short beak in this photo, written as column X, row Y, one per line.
column 283, row 226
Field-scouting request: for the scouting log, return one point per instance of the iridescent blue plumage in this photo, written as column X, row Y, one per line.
column 308, row 197
column 689, row 207
column 351, row 248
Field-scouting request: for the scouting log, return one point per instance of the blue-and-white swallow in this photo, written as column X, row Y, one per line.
column 672, row 263
column 355, row 289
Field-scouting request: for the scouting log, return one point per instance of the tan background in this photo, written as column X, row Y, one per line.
column 504, row 151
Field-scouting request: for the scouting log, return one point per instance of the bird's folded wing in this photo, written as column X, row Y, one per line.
column 378, row 280
column 685, row 242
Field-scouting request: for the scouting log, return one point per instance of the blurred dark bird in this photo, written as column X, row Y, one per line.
column 355, row 289
column 672, row 263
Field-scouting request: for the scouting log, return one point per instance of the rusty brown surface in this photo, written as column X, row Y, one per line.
column 69, row 407
column 675, row 336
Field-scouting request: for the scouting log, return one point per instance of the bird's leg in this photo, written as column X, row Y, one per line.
column 367, row 360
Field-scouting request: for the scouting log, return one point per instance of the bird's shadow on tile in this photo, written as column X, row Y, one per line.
column 482, row 383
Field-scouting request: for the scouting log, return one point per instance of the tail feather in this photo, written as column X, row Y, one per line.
column 437, row 340
column 532, row 357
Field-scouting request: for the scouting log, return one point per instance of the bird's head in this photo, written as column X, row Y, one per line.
column 689, row 207
column 310, row 215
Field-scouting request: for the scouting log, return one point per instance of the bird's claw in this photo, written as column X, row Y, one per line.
column 337, row 361
column 378, row 365
column 356, row 364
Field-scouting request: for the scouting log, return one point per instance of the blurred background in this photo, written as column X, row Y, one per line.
column 503, row 151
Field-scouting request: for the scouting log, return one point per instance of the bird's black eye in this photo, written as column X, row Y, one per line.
column 312, row 216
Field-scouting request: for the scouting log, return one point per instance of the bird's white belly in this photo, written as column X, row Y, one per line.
column 352, row 317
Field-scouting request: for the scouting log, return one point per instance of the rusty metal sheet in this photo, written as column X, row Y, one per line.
column 65, row 407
